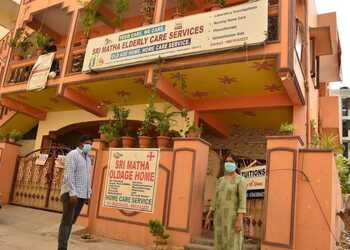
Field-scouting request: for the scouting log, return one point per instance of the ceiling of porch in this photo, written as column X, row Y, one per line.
column 247, row 78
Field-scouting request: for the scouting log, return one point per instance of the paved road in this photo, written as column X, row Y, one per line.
column 29, row 229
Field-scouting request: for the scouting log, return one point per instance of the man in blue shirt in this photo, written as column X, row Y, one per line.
column 76, row 188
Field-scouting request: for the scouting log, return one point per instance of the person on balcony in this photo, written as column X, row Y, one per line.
column 76, row 188
column 229, row 207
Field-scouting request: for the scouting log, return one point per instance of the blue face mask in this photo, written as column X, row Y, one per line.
column 86, row 148
column 230, row 167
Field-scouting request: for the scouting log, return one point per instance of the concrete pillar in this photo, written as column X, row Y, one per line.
column 8, row 159
column 281, row 188
column 187, row 186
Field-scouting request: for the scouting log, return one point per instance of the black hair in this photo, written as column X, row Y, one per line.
column 85, row 138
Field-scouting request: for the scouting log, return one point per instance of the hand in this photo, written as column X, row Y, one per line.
column 238, row 225
column 73, row 199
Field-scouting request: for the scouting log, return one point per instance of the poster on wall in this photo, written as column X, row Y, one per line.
column 223, row 29
column 131, row 179
column 256, row 177
column 40, row 72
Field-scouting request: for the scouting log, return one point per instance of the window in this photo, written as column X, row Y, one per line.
column 314, row 63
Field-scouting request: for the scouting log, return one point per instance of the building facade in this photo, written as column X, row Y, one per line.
column 273, row 68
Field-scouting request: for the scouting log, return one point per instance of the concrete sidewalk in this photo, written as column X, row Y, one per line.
column 30, row 229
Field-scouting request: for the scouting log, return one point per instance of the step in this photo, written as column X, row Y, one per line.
column 193, row 246
column 203, row 241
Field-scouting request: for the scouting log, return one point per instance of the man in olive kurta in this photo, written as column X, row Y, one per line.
column 229, row 205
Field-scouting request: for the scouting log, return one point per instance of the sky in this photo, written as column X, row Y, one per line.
column 342, row 7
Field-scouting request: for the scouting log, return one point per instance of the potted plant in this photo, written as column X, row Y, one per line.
column 107, row 134
column 181, row 7
column 24, row 48
column 145, row 140
column 3, row 137
column 194, row 131
column 119, row 7
column 156, row 228
column 120, row 115
column 40, row 41
column 164, row 119
column 89, row 17
column 15, row 43
column 286, row 128
column 15, row 136
column 148, row 7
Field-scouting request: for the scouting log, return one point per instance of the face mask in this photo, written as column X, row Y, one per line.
column 230, row 167
column 86, row 148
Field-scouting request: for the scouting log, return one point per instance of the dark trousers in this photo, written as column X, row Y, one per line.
column 70, row 214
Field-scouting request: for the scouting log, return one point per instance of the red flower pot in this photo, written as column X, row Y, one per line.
column 114, row 143
column 145, row 141
column 128, row 141
column 163, row 141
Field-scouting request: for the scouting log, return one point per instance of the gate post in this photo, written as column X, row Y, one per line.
column 280, row 195
column 8, row 161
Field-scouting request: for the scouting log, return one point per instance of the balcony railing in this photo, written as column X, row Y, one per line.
column 19, row 71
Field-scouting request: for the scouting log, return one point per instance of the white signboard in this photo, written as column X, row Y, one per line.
column 255, row 176
column 228, row 28
column 40, row 72
column 131, row 179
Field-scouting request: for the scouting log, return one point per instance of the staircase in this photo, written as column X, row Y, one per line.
column 208, row 244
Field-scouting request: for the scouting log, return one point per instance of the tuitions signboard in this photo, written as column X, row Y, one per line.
column 228, row 28
column 131, row 179
column 256, row 177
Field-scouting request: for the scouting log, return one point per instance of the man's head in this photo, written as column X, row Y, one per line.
column 85, row 143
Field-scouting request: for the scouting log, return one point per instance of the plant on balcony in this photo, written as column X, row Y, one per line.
column 164, row 119
column 287, row 128
column 343, row 166
column 120, row 116
column 147, row 124
column 181, row 7
column 194, row 131
column 148, row 7
column 119, row 7
column 3, row 137
column 20, row 44
column 89, row 17
column 40, row 40
column 107, row 134
column 157, row 229
column 15, row 135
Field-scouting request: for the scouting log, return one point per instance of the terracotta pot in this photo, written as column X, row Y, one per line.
column 216, row 7
column 163, row 141
column 103, row 137
column 18, row 57
column 193, row 134
column 114, row 143
column 145, row 141
column 39, row 52
column 84, row 41
column 128, row 141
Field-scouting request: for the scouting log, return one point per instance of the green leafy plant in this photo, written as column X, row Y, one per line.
column 40, row 40
column 287, row 128
column 120, row 115
column 14, row 41
column 119, row 7
column 108, row 131
column 24, row 47
column 329, row 142
column 157, row 230
column 181, row 6
column 90, row 16
column 165, row 119
column 315, row 141
column 194, row 130
column 343, row 167
column 3, row 136
column 15, row 135
column 148, row 7
column 149, row 121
